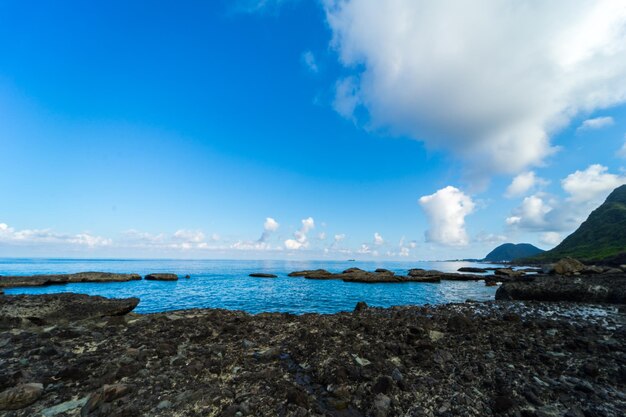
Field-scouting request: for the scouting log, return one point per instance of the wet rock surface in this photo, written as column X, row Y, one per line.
column 41, row 280
column 473, row 359
column 161, row 277
column 386, row 276
column 47, row 309
column 605, row 288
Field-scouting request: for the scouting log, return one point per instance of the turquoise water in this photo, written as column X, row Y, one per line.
column 225, row 284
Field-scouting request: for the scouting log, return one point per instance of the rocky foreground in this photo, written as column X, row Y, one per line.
column 473, row 359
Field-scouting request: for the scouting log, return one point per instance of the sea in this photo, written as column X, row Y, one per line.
column 225, row 284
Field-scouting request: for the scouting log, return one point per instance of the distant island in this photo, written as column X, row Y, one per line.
column 510, row 251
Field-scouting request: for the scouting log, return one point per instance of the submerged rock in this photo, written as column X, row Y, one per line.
column 263, row 275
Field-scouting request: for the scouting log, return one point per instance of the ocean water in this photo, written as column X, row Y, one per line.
column 225, row 284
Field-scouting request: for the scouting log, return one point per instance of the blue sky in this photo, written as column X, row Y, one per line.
column 305, row 129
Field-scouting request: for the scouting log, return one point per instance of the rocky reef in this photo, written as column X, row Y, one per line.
column 474, row 359
column 385, row 276
column 41, row 280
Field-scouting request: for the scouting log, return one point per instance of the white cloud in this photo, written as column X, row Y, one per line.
column 310, row 62
column 550, row 238
column 26, row 237
column 491, row 238
column 592, row 185
column 488, row 83
column 346, row 97
column 586, row 191
column 300, row 237
column 446, row 210
column 596, row 123
column 364, row 249
column 339, row 237
column 269, row 227
column 321, row 236
column 378, row 239
column 531, row 214
column 523, row 183
column 191, row 236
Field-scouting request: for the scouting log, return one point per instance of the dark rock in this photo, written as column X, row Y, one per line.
column 162, row 277
column 41, row 280
column 591, row 288
column 589, row 270
column 353, row 270
column 298, row 397
column 106, row 394
column 383, row 384
column 20, row 396
column 263, row 275
column 502, row 404
column 361, row 306
column 567, row 266
column 472, row 269
column 313, row 274
column 459, row 323
column 64, row 307
column 508, row 272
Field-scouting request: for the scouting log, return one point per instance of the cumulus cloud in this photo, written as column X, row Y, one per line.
column 378, row 239
column 308, row 58
column 550, row 238
column 596, row 123
column 523, row 183
column 491, row 238
column 585, row 189
column 300, row 239
column 592, row 185
column 192, row 236
column 25, row 237
column 269, row 227
column 489, row 83
column 531, row 214
column 182, row 239
column 446, row 211
column 364, row 249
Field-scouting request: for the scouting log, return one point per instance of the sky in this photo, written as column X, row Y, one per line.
column 306, row 129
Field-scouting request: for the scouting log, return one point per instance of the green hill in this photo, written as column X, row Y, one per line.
column 510, row 251
column 602, row 237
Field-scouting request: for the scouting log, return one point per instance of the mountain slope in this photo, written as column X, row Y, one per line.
column 510, row 251
column 601, row 237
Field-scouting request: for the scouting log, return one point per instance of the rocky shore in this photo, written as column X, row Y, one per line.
column 473, row 359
